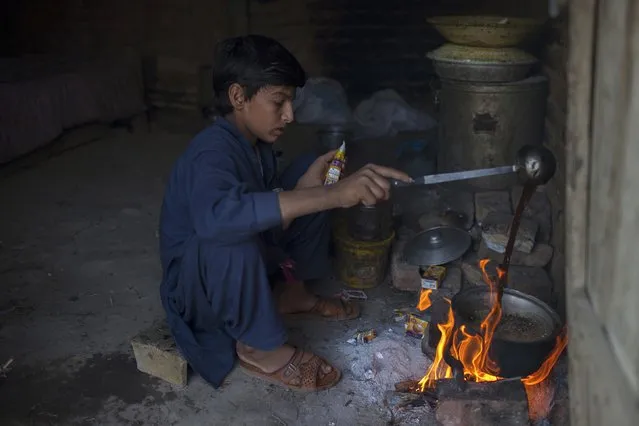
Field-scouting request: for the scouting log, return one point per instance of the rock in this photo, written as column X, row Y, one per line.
column 491, row 202
column 531, row 280
column 156, row 354
column 453, row 280
column 502, row 403
column 401, row 399
column 404, row 276
column 560, row 413
column 540, row 255
column 496, row 230
column 538, row 209
column 558, row 277
column 472, row 274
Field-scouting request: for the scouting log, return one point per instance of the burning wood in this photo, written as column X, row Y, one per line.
column 470, row 349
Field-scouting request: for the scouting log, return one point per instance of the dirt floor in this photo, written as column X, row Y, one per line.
column 79, row 277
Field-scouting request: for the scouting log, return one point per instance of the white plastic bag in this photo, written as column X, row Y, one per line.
column 386, row 113
column 322, row 101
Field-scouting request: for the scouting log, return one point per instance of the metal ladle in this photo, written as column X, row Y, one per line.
column 534, row 165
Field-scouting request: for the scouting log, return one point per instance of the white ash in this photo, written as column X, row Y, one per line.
column 391, row 358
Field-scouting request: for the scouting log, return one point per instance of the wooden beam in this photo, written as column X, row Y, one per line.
column 605, row 397
column 579, row 78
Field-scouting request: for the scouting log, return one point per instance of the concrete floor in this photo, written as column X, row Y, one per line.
column 79, row 276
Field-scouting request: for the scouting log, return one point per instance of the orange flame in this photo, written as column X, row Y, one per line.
column 439, row 369
column 424, row 300
column 472, row 349
column 545, row 369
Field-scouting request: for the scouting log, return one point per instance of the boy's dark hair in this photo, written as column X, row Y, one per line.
column 253, row 62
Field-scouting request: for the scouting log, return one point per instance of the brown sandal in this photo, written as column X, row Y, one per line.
column 332, row 308
column 298, row 375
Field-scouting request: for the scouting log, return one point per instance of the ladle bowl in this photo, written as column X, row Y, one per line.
column 536, row 165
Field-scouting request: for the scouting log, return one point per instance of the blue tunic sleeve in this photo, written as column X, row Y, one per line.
column 222, row 207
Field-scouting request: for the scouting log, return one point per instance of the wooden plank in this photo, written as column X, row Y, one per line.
column 606, row 397
column 610, row 92
column 579, row 78
column 622, row 318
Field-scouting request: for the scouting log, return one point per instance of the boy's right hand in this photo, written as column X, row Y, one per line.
column 367, row 186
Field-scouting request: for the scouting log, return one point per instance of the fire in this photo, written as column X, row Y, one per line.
column 472, row 349
column 424, row 300
column 545, row 369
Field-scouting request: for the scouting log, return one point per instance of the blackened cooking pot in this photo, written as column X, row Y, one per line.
column 527, row 332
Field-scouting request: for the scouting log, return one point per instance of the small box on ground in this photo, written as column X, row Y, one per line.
column 157, row 355
column 432, row 277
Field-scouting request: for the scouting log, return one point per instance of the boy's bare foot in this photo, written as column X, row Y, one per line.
column 293, row 298
column 288, row 366
column 267, row 361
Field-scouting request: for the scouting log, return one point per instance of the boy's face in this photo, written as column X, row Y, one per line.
column 267, row 113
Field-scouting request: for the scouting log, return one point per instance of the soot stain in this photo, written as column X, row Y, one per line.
column 50, row 394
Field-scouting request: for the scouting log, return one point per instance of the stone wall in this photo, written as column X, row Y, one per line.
column 369, row 45
column 366, row 44
column 554, row 66
column 174, row 38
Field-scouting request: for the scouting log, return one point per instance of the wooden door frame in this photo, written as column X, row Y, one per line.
column 588, row 340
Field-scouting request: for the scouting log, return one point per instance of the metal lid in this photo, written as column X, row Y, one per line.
column 437, row 246
column 481, row 55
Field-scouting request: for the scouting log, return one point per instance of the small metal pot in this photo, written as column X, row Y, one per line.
column 370, row 223
column 332, row 137
column 517, row 351
column 485, row 73
column 485, row 65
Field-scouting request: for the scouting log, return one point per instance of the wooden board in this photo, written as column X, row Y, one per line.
column 603, row 211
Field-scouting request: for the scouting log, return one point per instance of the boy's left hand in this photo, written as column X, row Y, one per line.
column 316, row 173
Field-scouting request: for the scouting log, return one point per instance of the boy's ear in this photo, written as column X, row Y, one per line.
column 236, row 96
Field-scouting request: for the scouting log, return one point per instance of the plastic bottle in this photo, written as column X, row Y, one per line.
column 337, row 166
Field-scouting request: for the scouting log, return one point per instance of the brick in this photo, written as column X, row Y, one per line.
column 533, row 281
column 403, row 275
column 453, row 281
column 502, row 403
column 471, row 273
column 157, row 355
column 558, row 276
column 540, row 255
column 496, row 231
column 491, row 202
column 538, row 210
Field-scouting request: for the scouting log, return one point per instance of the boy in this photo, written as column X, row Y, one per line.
column 229, row 221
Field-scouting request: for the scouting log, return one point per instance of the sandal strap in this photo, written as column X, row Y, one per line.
column 306, row 372
column 292, row 369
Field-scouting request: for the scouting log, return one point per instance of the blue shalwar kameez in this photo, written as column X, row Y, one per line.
column 220, row 240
